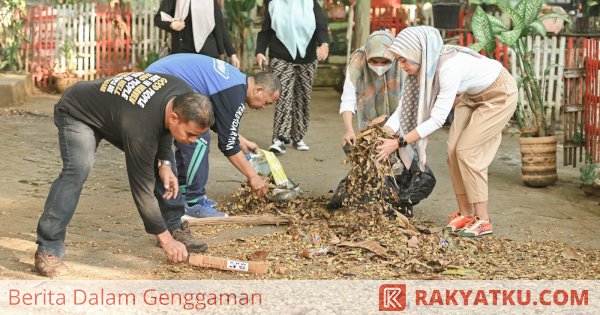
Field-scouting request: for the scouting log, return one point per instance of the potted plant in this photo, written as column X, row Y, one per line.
column 538, row 143
column 65, row 77
column 586, row 19
column 590, row 178
column 446, row 13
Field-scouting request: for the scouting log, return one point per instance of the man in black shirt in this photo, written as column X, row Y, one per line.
column 141, row 114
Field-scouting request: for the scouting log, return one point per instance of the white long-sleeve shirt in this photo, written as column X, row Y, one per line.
column 348, row 98
column 462, row 73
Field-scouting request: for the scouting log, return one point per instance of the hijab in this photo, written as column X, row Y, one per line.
column 203, row 18
column 376, row 94
column 421, row 45
column 294, row 24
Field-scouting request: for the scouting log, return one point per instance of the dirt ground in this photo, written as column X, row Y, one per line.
column 106, row 239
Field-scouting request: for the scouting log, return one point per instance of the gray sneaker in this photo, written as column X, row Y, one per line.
column 277, row 147
column 49, row 266
column 184, row 235
column 301, row 146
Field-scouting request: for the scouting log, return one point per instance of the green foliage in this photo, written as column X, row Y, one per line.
column 590, row 174
column 526, row 19
column 578, row 138
column 237, row 14
column 12, row 23
column 152, row 57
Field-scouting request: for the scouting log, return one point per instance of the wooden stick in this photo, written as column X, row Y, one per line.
column 227, row 264
column 245, row 219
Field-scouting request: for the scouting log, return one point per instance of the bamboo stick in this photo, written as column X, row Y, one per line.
column 245, row 219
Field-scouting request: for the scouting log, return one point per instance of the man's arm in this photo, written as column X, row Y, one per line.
column 139, row 159
column 259, row 185
column 228, row 107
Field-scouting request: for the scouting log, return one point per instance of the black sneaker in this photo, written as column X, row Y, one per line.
column 184, row 235
column 49, row 266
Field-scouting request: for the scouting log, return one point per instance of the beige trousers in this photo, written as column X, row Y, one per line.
column 476, row 133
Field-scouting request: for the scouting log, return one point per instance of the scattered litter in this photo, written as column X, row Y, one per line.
column 315, row 252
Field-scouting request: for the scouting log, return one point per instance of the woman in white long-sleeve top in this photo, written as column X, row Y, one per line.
column 485, row 97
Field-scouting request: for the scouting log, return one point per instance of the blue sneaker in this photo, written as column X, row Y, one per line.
column 207, row 201
column 202, row 211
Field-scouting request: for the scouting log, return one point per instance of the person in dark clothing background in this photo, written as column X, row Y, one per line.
column 196, row 26
column 295, row 31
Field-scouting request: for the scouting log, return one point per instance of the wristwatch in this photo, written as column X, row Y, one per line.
column 402, row 142
column 164, row 162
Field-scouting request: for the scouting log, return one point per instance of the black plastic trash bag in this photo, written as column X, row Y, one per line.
column 404, row 190
column 413, row 185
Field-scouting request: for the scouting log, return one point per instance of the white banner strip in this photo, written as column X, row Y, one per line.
column 299, row 297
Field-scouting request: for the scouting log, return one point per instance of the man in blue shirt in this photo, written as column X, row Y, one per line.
column 229, row 90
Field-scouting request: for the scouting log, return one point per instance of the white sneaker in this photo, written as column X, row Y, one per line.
column 301, row 146
column 277, row 147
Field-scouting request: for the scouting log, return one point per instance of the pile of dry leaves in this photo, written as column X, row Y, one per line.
column 368, row 245
column 359, row 242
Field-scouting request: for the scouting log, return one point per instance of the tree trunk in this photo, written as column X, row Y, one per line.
column 363, row 22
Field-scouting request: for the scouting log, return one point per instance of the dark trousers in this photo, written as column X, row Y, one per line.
column 78, row 143
column 192, row 167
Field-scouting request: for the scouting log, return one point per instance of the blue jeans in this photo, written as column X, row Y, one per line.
column 78, row 143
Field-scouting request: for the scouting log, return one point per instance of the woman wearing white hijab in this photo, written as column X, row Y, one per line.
column 486, row 98
column 295, row 31
column 196, row 27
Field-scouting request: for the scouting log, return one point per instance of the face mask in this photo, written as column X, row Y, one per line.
column 380, row 70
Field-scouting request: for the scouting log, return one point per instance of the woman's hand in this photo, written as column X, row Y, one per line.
column 177, row 25
column 387, row 147
column 261, row 61
column 323, row 52
column 349, row 137
column 235, row 61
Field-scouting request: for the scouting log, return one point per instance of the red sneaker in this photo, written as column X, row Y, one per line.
column 458, row 222
column 477, row 228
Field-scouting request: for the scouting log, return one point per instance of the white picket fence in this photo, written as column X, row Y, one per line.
column 547, row 52
column 77, row 23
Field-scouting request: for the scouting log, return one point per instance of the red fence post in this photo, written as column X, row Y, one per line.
column 592, row 100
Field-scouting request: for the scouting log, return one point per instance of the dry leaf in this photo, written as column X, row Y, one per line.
column 429, row 230
column 461, row 272
column 280, row 269
column 413, row 241
column 334, row 240
column 368, row 245
column 570, row 253
column 377, row 121
column 260, row 255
